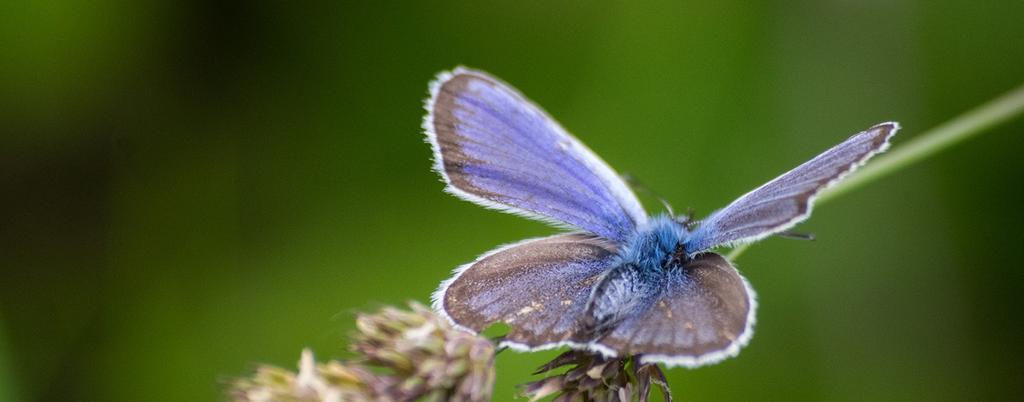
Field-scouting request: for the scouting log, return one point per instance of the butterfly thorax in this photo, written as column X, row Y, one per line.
column 656, row 245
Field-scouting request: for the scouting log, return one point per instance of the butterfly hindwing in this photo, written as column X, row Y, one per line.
column 496, row 148
column 539, row 288
column 786, row 200
column 692, row 315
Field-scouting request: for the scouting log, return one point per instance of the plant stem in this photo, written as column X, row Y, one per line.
column 952, row 132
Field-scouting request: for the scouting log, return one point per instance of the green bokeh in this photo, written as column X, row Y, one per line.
column 193, row 187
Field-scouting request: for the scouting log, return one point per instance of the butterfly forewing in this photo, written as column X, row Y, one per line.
column 786, row 200
column 496, row 148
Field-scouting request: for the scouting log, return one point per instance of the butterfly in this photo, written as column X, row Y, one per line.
column 622, row 283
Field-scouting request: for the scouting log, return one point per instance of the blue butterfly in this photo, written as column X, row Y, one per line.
column 623, row 283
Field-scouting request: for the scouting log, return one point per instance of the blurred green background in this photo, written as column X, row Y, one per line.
column 189, row 188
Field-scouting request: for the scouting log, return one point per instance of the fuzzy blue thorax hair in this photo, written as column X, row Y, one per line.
column 653, row 245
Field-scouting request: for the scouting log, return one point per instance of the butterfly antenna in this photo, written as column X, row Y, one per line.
column 637, row 185
column 794, row 235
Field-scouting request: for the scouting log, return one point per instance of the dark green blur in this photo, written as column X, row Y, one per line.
column 189, row 188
